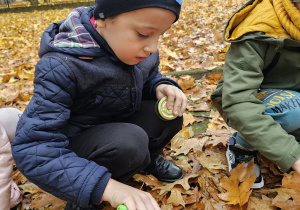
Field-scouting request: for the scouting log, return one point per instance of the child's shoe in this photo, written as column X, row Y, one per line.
column 164, row 170
column 237, row 154
column 15, row 196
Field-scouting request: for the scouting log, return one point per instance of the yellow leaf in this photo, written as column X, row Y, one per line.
column 12, row 80
column 238, row 185
column 171, row 53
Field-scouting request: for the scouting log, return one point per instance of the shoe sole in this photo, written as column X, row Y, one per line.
column 255, row 185
column 171, row 180
column 228, row 159
column 258, row 185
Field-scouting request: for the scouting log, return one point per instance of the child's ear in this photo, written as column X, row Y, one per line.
column 100, row 23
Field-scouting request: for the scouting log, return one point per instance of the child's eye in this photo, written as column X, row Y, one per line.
column 143, row 35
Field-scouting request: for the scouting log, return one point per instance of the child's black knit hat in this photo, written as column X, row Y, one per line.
column 108, row 8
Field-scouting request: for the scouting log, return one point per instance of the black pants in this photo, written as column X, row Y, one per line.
column 127, row 147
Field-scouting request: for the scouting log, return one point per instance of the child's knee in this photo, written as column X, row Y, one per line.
column 135, row 148
column 284, row 107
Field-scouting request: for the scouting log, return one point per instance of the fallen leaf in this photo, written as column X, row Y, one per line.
column 194, row 143
column 188, row 119
column 176, row 198
column 238, row 185
column 213, row 160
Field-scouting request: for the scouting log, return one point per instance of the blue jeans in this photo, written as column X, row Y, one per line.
column 284, row 107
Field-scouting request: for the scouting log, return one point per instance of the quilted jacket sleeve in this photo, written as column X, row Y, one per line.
column 39, row 148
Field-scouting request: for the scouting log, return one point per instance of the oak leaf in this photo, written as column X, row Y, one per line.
column 184, row 182
column 256, row 203
column 194, row 143
column 292, row 183
column 176, row 198
column 212, row 160
column 149, row 180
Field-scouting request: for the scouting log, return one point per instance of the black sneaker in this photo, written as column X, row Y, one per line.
column 164, row 170
column 237, row 154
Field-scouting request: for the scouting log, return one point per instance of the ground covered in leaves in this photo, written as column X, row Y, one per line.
column 194, row 42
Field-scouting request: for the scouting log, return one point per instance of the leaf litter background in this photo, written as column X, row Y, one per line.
column 194, row 42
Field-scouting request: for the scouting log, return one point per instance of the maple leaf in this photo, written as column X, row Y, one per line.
column 238, row 185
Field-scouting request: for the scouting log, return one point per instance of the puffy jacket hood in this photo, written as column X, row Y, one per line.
column 254, row 16
column 75, row 35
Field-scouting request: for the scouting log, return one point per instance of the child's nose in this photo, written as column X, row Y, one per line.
column 151, row 47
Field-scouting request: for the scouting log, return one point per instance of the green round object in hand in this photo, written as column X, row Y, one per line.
column 162, row 111
column 122, row 207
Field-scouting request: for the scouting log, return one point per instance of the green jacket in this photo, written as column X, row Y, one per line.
column 257, row 60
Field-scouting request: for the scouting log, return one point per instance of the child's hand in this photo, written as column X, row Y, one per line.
column 175, row 96
column 117, row 193
column 296, row 166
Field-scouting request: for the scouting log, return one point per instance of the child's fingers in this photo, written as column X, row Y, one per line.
column 170, row 99
column 180, row 103
column 183, row 107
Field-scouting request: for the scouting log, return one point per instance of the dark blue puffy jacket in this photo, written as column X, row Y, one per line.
column 71, row 95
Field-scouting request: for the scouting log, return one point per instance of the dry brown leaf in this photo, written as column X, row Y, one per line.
column 212, row 160
column 9, row 93
column 166, row 207
column 193, row 197
column 198, row 107
column 178, row 141
column 292, row 183
column 38, row 198
column 186, row 82
column 43, row 199
column 218, row 136
column 149, row 180
column 194, row 143
column 256, row 203
column 183, row 182
column 238, row 185
column 184, row 165
column 290, row 205
column 188, row 119
column 282, row 200
column 176, row 197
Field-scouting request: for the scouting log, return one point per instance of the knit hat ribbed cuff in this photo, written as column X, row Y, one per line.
column 108, row 8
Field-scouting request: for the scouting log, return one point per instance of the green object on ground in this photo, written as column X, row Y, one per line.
column 122, row 207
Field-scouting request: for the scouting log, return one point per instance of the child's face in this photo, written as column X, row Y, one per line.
column 134, row 35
